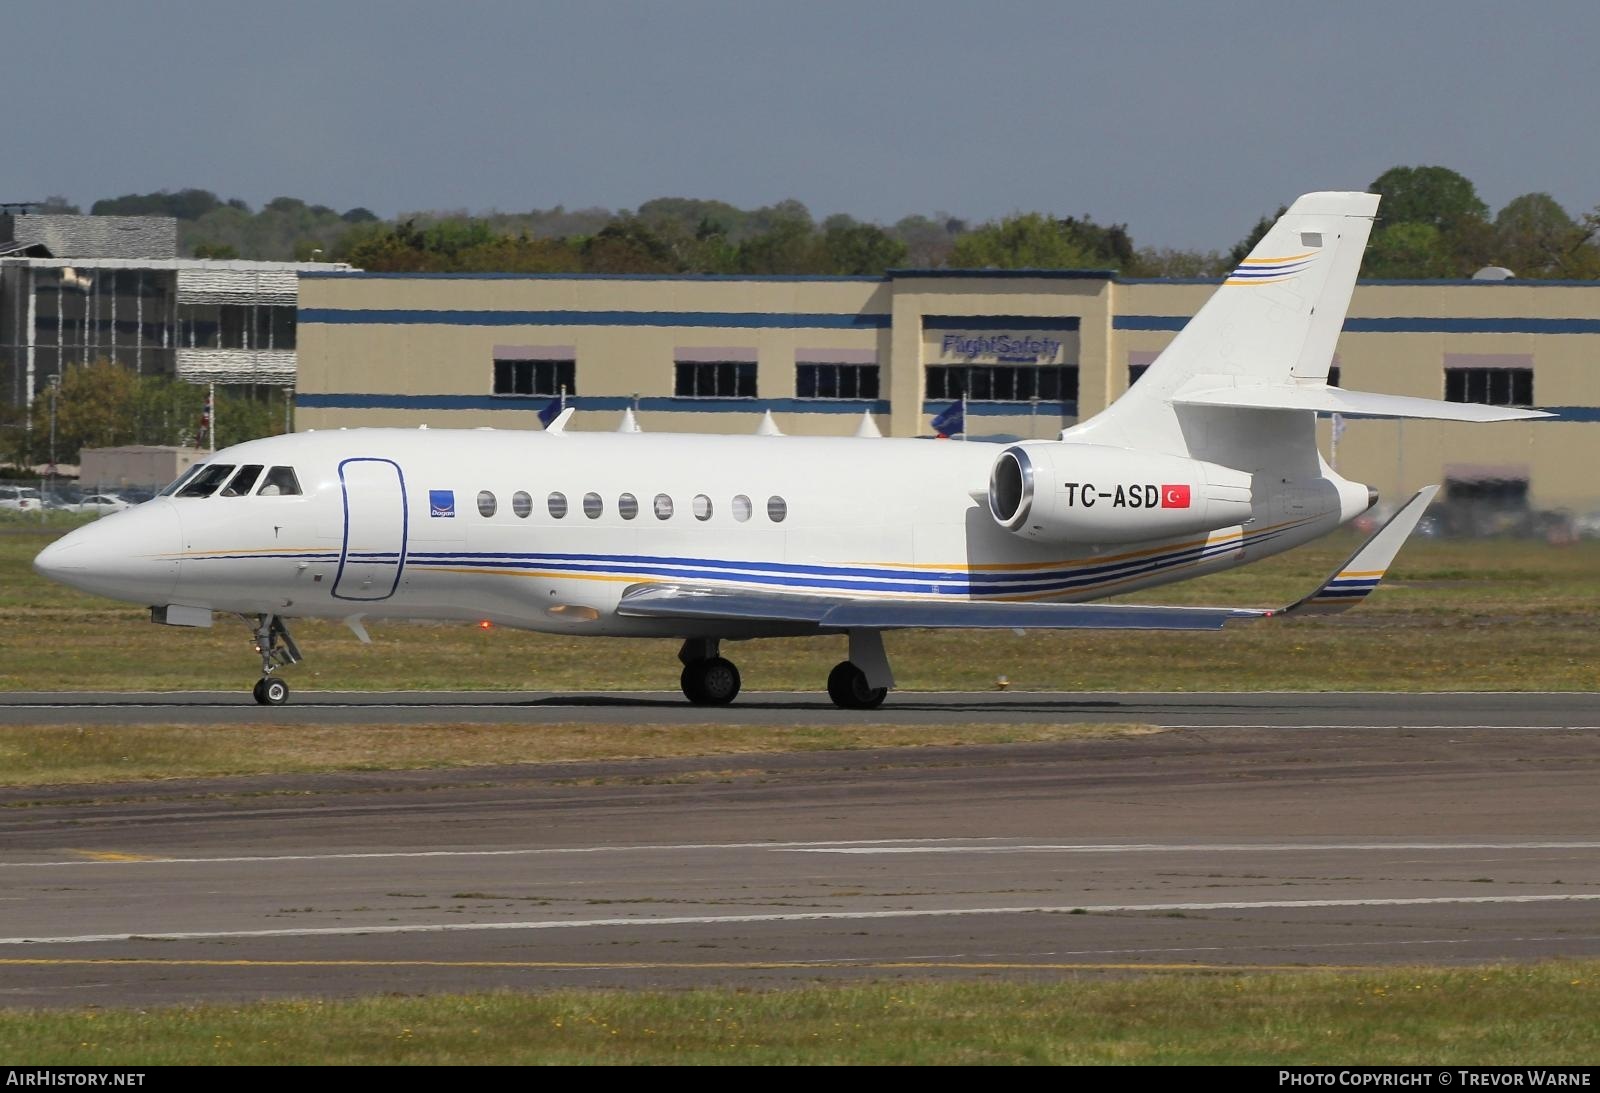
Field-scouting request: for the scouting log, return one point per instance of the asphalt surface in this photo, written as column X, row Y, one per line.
column 1259, row 847
column 778, row 708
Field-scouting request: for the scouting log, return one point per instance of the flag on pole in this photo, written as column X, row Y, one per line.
column 952, row 421
column 550, row 412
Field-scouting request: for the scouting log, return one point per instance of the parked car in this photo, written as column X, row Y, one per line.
column 19, row 499
column 102, row 503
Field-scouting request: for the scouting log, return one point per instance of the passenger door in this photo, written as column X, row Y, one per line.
column 373, row 554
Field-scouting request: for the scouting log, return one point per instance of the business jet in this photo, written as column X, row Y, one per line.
column 1209, row 462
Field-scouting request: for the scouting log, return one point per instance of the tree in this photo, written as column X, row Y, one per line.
column 1408, row 252
column 189, row 204
column 1535, row 237
column 1428, row 195
column 860, row 249
column 1023, row 241
column 1241, row 250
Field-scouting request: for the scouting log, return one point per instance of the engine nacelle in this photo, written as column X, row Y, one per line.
column 1087, row 493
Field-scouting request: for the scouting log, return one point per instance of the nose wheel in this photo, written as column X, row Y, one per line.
column 277, row 650
column 271, row 692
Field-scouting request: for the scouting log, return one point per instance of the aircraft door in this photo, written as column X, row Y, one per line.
column 374, row 551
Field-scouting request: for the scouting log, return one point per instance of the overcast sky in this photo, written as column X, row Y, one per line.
column 1187, row 121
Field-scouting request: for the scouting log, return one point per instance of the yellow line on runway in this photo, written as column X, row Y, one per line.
column 113, row 855
column 667, row 965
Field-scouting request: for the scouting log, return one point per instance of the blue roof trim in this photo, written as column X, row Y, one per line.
column 986, row 408
column 1411, row 324
column 998, row 274
column 746, row 320
column 533, row 404
column 1445, row 282
column 363, row 275
column 1000, row 322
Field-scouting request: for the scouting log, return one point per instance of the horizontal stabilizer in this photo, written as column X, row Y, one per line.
column 688, row 602
column 1352, row 582
column 1336, row 400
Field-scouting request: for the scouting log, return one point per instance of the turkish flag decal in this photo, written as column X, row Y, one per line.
column 1175, row 497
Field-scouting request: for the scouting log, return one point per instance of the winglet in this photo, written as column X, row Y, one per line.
column 1351, row 582
column 559, row 425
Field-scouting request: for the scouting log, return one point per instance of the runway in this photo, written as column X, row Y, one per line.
column 1198, row 848
column 1311, row 709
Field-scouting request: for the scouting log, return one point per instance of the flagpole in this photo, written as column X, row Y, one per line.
column 964, row 425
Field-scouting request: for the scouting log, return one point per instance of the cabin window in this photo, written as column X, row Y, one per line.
column 558, row 505
column 206, row 482
column 280, row 481
column 627, row 506
column 521, row 504
column 702, row 507
column 244, row 481
column 663, row 507
column 593, row 506
column 777, row 509
column 741, row 508
column 486, row 504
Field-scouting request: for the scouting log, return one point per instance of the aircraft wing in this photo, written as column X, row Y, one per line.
column 1345, row 587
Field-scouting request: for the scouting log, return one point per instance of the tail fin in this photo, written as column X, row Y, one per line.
column 1275, row 320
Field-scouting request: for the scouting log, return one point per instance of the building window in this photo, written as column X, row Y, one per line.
column 1135, row 371
column 1003, row 382
column 715, row 379
column 1333, row 375
column 1492, row 386
column 236, row 326
column 836, row 380
column 541, row 377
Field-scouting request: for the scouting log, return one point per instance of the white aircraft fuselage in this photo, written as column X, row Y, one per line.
column 460, row 525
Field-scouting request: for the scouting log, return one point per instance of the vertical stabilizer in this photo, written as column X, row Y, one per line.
column 1275, row 320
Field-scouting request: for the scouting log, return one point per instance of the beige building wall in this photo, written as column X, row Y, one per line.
column 406, row 350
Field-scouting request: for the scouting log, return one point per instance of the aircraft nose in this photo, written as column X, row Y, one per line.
column 130, row 555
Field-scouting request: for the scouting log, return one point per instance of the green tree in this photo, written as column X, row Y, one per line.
column 860, row 249
column 1241, row 250
column 1408, row 251
column 1428, row 195
column 788, row 246
column 1023, row 241
column 1535, row 237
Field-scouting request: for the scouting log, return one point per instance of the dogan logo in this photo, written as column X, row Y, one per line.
column 442, row 503
column 1085, row 495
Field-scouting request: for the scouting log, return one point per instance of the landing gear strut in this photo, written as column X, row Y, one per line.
column 863, row 681
column 708, row 679
column 277, row 650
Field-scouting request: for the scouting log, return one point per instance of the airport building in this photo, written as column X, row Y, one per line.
column 1032, row 352
column 80, row 289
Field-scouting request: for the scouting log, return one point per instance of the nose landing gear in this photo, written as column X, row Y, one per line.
column 277, row 650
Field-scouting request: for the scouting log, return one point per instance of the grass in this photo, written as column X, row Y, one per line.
column 1545, row 1014
column 54, row 755
column 1478, row 615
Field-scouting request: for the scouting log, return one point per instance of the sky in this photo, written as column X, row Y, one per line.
column 1186, row 121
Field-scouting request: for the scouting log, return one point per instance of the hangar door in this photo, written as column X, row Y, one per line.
column 375, row 518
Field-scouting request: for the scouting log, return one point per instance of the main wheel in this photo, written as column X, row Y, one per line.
column 271, row 692
column 847, row 686
column 713, row 682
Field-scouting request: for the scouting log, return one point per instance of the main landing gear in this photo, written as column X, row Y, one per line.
column 860, row 683
column 707, row 679
column 277, row 650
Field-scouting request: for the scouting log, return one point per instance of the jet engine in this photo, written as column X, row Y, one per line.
column 1053, row 492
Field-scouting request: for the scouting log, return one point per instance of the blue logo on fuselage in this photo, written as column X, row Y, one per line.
column 442, row 503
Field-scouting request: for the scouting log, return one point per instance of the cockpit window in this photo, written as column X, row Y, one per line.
column 243, row 482
column 280, row 481
column 206, row 482
column 180, row 481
